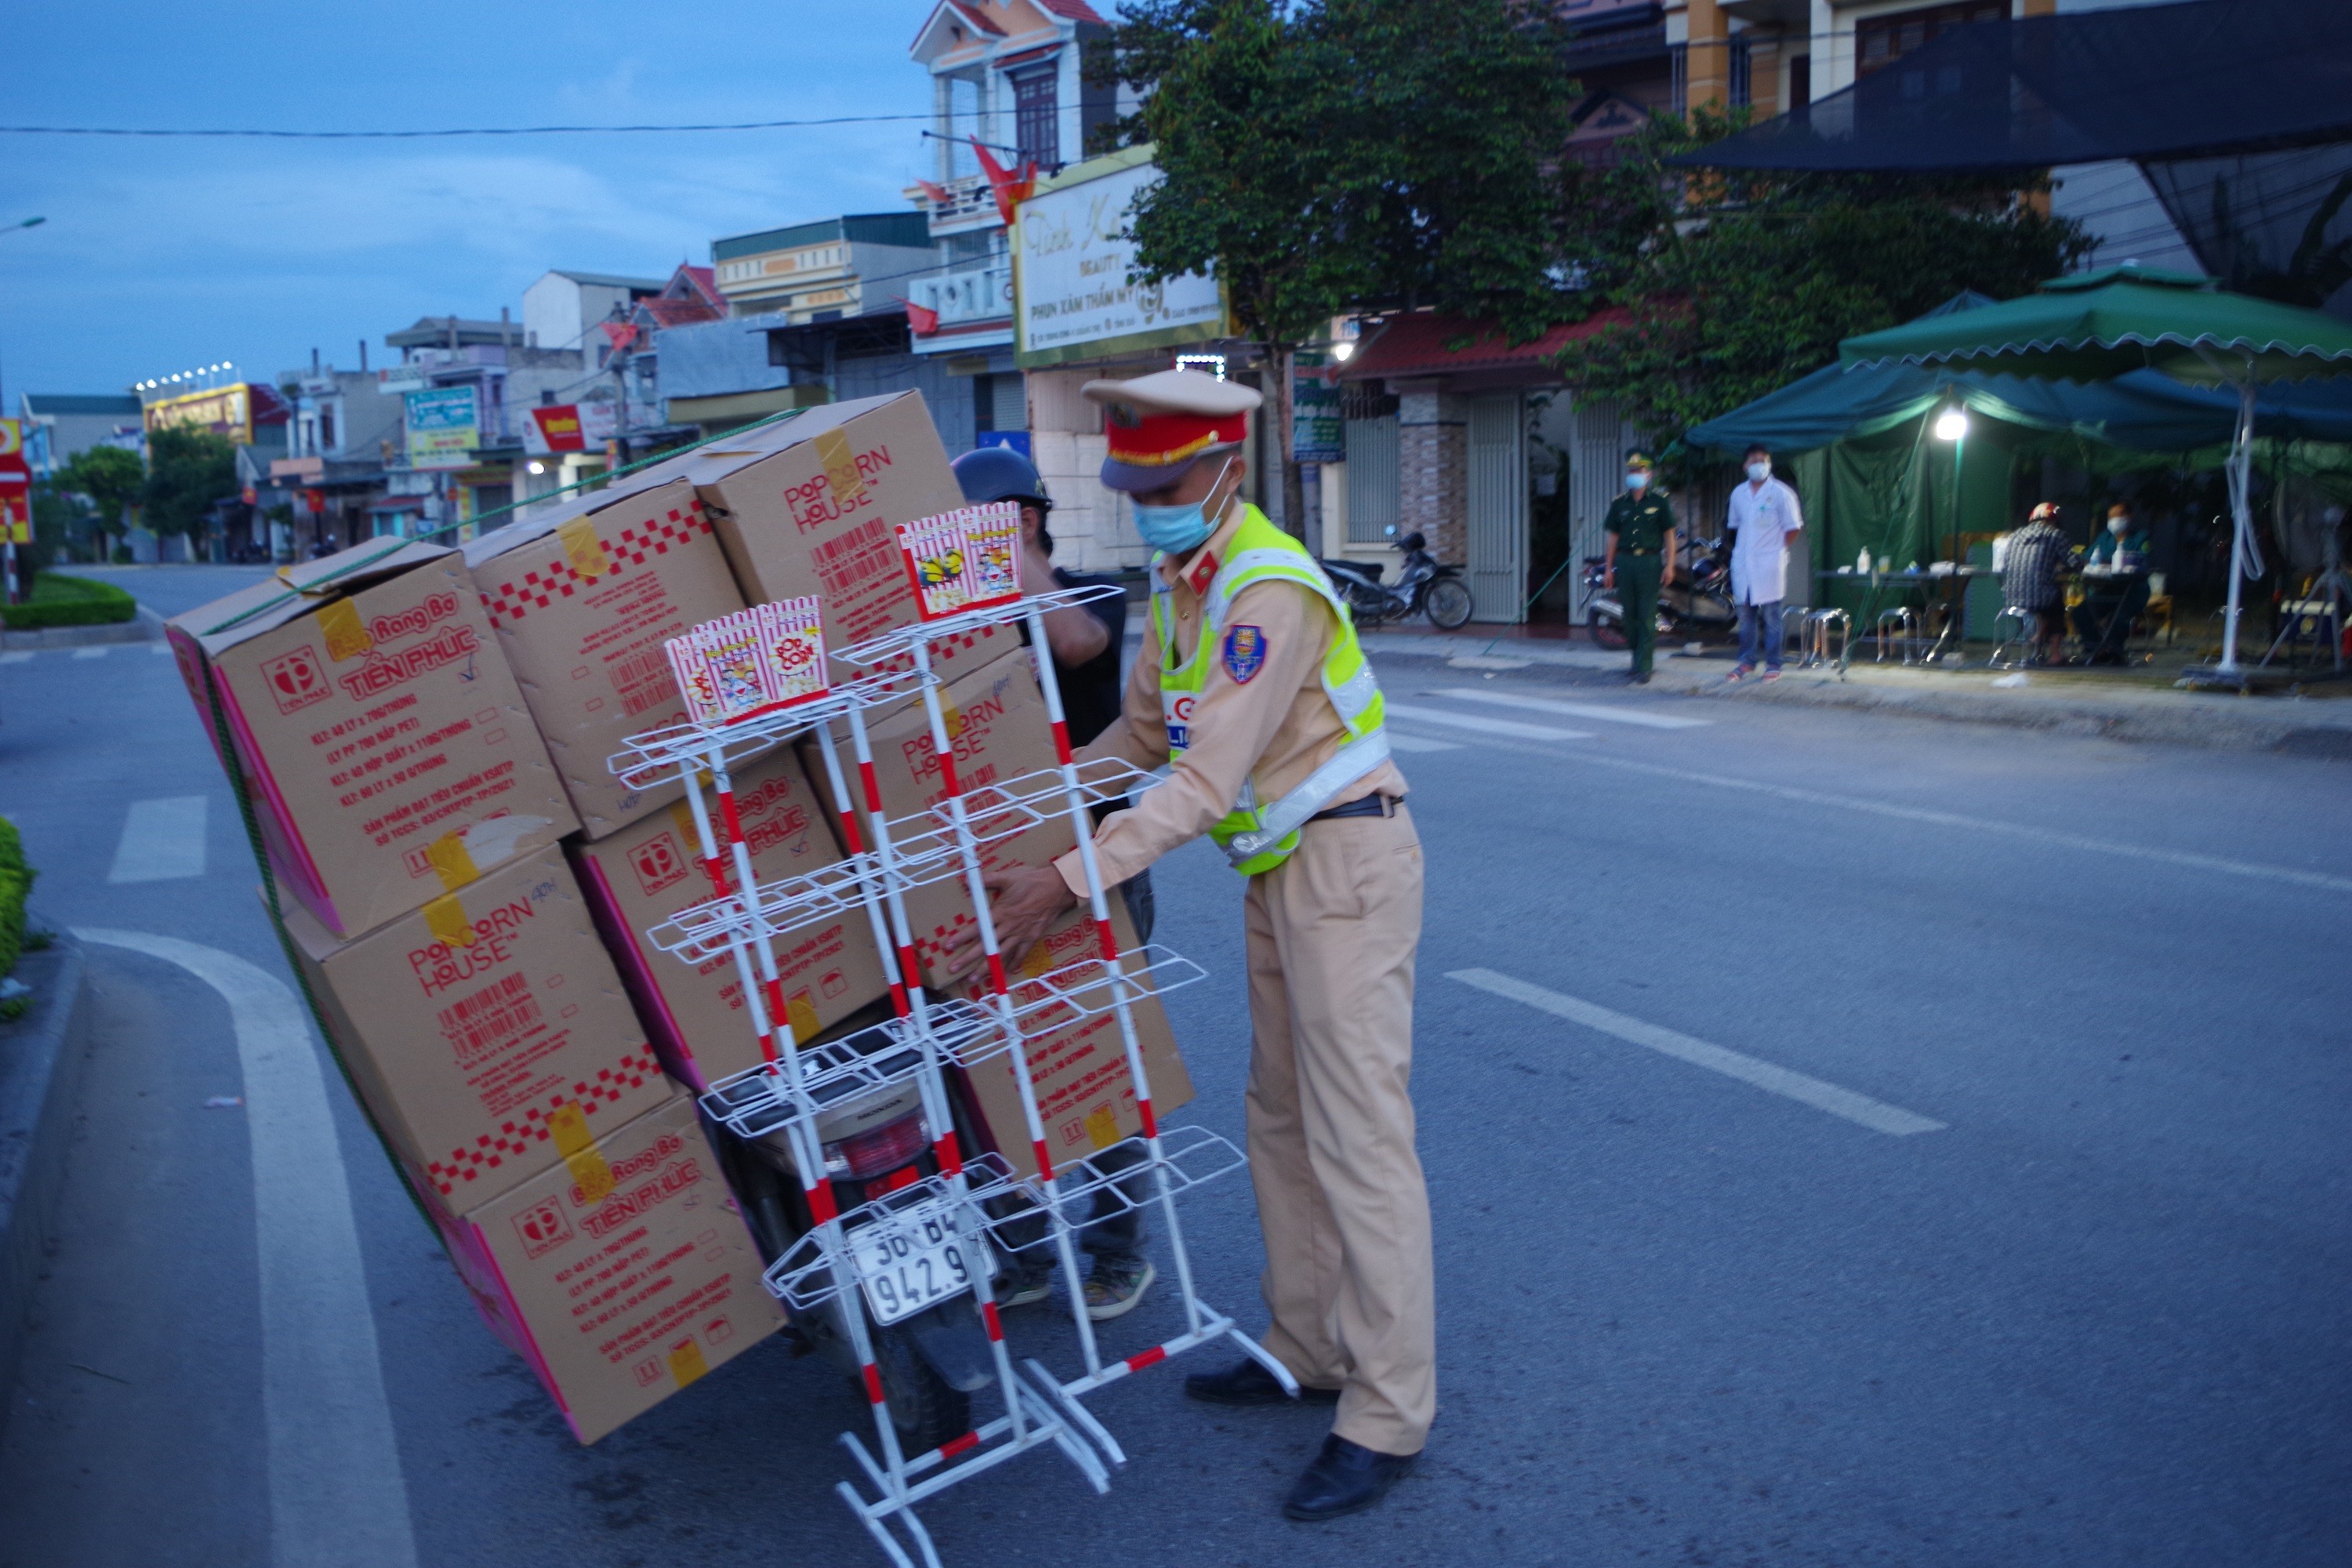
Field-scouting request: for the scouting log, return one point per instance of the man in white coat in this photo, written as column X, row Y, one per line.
column 1764, row 518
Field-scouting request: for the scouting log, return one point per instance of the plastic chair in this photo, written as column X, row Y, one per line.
column 2022, row 623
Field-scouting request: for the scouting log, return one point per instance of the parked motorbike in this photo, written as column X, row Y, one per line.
column 1695, row 605
column 1422, row 587
column 874, row 1144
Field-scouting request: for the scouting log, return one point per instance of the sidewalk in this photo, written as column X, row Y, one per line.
column 2122, row 704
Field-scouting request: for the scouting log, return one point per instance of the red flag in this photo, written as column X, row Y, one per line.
column 921, row 318
column 622, row 334
column 939, row 194
column 1011, row 190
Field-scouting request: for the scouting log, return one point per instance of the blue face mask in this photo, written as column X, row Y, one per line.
column 1177, row 530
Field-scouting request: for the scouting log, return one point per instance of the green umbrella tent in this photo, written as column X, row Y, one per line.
column 2099, row 325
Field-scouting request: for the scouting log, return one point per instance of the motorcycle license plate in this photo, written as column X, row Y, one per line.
column 908, row 1262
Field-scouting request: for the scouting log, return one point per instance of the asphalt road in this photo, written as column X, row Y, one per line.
column 1851, row 1141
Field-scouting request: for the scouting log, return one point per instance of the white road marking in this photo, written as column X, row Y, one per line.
column 1401, row 742
column 336, row 1491
column 162, row 841
column 1601, row 711
column 1484, row 726
column 1876, row 1115
column 19, row 656
column 100, row 651
column 160, row 649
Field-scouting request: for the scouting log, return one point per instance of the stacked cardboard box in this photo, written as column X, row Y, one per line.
column 649, row 871
column 410, row 814
column 1077, row 1061
column 582, row 600
column 419, row 729
column 996, row 722
column 387, row 748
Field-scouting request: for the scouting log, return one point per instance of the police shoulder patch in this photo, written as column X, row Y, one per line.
column 1245, row 653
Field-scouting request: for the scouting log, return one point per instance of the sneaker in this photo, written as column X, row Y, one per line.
column 1772, row 675
column 1023, row 1284
column 1116, row 1285
column 1739, row 672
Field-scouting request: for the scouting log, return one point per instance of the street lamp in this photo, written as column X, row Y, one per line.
column 1952, row 424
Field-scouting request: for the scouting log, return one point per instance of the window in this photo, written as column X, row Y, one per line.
column 1801, row 82
column 327, row 429
column 1678, row 90
column 1742, row 91
column 1880, row 41
column 1036, row 116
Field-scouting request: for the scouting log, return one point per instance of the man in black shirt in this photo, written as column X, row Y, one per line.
column 1087, row 641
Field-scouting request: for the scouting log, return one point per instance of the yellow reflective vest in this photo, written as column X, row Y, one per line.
column 1259, row 835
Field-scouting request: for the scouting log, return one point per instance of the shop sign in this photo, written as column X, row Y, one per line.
column 443, row 427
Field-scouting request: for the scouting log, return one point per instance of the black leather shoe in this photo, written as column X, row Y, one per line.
column 1345, row 1477
column 1249, row 1383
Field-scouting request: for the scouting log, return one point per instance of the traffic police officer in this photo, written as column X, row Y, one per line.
column 1251, row 684
column 1641, row 527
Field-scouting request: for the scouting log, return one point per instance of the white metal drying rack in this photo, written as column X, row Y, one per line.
column 885, row 860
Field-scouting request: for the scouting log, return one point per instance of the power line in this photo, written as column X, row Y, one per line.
column 474, row 130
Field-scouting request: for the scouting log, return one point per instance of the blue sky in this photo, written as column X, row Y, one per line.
column 160, row 256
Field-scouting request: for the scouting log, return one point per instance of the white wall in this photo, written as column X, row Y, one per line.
column 551, row 312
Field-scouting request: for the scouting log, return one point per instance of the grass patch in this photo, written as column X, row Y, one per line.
column 16, row 883
column 59, row 600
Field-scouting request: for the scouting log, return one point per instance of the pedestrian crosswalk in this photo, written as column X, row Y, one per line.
column 162, row 841
column 1468, row 711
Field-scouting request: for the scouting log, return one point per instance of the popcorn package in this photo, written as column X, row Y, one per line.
column 755, row 661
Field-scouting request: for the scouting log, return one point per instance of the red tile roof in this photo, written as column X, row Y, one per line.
column 1419, row 344
column 1076, row 10
column 679, row 312
column 702, row 280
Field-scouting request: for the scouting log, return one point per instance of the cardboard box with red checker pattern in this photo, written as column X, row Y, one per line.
column 996, row 722
column 620, row 1276
column 651, row 869
column 483, row 1030
column 581, row 597
column 813, row 506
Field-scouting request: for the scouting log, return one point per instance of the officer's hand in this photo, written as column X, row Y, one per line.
column 1609, row 576
column 1024, row 900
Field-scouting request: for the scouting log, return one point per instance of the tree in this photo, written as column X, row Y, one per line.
column 1331, row 156
column 187, row 471
column 1734, row 285
column 112, row 478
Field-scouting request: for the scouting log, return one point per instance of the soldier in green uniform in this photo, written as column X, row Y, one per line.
column 1640, row 525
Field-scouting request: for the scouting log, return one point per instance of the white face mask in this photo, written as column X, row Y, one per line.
column 1759, row 472
column 1637, row 482
column 2118, row 526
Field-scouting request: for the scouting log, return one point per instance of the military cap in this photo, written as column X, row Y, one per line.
column 1637, row 458
column 1159, row 425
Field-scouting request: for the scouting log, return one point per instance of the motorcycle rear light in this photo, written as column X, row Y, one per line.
column 862, row 1156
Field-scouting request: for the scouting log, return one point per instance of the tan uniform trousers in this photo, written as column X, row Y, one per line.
column 1349, row 1276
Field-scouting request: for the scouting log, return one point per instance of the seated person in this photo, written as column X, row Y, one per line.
column 2037, row 555
column 2114, row 588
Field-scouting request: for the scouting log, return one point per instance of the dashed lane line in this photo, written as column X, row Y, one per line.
column 1399, row 741
column 1859, row 1109
column 162, row 841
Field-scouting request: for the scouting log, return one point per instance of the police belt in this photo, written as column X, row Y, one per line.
column 1630, row 550
column 1370, row 805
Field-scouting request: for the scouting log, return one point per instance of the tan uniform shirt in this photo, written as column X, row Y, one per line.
column 1273, row 729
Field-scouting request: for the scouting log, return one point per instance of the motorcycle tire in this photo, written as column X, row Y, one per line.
column 926, row 1410
column 1606, row 631
column 1448, row 603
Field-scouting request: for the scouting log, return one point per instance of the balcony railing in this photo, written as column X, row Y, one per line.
column 981, row 293
column 968, row 201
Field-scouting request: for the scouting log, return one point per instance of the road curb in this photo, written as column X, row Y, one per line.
column 41, row 1059
column 146, row 627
